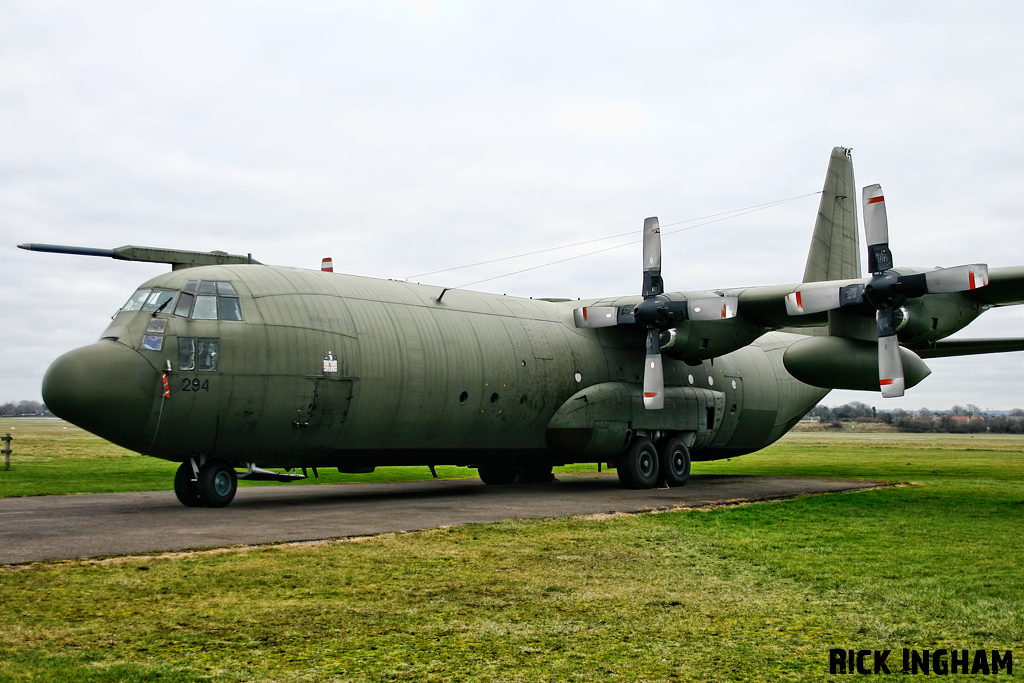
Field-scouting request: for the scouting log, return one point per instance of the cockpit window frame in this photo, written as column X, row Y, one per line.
column 210, row 300
column 149, row 299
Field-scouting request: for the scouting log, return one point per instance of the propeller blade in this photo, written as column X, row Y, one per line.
column 876, row 229
column 956, row 279
column 818, row 299
column 890, row 365
column 715, row 308
column 653, row 284
column 654, row 377
column 596, row 316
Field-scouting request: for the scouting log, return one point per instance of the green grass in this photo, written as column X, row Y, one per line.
column 756, row 592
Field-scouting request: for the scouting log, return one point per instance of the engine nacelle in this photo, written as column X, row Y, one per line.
column 842, row 363
column 698, row 340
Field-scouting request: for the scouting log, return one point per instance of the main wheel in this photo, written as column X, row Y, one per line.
column 675, row 461
column 217, row 483
column 185, row 487
column 497, row 475
column 638, row 467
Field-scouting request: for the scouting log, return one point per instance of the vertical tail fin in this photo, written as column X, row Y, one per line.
column 835, row 245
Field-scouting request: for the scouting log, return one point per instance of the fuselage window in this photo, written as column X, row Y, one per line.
column 186, row 353
column 198, row 353
column 207, row 353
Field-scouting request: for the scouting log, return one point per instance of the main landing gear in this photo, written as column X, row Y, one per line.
column 213, row 485
column 645, row 465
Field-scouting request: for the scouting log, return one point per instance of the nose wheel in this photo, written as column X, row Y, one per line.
column 214, row 486
column 185, row 487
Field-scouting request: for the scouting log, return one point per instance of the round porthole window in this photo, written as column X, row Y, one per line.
column 579, row 377
column 463, row 397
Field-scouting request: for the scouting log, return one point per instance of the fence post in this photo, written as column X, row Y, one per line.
column 7, row 439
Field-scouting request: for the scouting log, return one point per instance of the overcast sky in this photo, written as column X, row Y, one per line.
column 405, row 137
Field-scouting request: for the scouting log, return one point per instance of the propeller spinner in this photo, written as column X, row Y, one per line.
column 886, row 291
column 657, row 312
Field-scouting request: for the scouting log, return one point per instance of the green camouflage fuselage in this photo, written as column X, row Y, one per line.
column 334, row 370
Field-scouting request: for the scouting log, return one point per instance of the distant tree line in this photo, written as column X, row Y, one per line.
column 24, row 409
column 967, row 419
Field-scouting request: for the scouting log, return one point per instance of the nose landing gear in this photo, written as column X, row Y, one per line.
column 212, row 485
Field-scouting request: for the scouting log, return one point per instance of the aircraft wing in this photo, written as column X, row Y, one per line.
column 766, row 306
column 1005, row 287
column 945, row 348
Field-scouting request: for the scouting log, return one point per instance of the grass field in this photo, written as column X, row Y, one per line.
column 757, row 592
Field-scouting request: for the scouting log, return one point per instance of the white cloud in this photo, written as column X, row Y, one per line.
column 603, row 118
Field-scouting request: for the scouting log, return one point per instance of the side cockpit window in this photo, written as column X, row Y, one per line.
column 198, row 353
column 208, row 300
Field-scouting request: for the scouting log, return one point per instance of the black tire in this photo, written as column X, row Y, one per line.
column 536, row 474
column 185, row 487
column 675, row 461
column 497, row 475
column 217, row 483
column 638, row 467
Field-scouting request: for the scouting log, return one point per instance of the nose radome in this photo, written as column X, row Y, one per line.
column 105, row 388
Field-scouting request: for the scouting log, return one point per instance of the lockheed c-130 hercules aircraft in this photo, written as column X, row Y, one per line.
column 226, row 364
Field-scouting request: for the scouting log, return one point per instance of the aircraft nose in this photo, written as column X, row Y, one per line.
column 106, row 388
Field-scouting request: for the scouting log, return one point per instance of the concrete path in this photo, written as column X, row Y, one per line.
column 100, row 525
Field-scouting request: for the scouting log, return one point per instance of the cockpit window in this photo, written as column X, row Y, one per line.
column 205, row 309
column 135, row 303
column 149, row 300
column 184, row 307
column 209, row 300
column 199, row 353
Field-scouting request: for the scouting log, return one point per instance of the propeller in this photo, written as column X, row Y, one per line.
column 885, row 291
column 657, row 312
